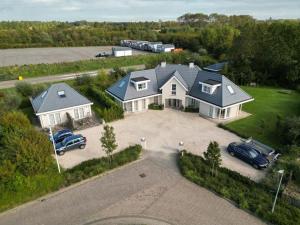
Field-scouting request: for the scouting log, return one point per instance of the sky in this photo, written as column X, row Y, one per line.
column 142, row 10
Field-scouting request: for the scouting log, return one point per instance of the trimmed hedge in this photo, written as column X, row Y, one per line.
column 191, row 109
column 247, row 194
column 94, row 167
column 154, row 106
column 109, row 110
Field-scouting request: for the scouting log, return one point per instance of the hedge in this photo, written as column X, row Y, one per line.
column 245, row 193
column 154, row 106
column 105, row 107
column 191, row 109
column 94, row 167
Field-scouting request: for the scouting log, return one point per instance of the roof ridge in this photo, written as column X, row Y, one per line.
column 43, row 99
column 128, row 83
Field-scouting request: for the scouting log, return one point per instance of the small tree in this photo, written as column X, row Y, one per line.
column 213, row 157
column 108, row 141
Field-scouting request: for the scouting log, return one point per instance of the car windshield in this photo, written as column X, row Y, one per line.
column 253, row 153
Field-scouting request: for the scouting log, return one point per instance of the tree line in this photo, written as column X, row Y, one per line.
column 265, row 52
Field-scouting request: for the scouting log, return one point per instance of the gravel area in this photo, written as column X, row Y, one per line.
column 163, row 130
column 21, row 56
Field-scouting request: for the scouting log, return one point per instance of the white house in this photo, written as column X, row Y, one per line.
column 180, row 86
column 52, row 105
column 121, row 51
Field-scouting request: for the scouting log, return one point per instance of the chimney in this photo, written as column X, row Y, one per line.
column 191, row 65
column 163, row 64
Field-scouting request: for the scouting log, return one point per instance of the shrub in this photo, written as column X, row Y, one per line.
column 24, row 89
column 97, row 166
column 155, row 106
column 247, row 194
column 191, row 109
column 108, row 109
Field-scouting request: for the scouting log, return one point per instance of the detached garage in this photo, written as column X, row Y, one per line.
column 121, row 51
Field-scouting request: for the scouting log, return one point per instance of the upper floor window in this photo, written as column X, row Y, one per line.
column 142, row 86
column 173, row 89
column 206, row 89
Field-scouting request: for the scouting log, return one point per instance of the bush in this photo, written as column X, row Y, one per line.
column 97, row 166
column 191, row 109
column 244, row 192
column 105, row 107
column 24, row 89
column 154, row 106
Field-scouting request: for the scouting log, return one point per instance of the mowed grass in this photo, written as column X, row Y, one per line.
column 269, row 103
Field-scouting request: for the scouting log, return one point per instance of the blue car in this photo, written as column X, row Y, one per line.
column 248, row 154
column 61, row 135
column 70, row 143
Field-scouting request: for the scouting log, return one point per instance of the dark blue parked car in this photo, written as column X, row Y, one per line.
column 248, row 154
column 59, row 136
column 70, row 143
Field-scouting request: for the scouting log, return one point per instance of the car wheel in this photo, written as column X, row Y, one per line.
column 61, row 153
column 255, row 166
column 231, row 153
column 82, row 146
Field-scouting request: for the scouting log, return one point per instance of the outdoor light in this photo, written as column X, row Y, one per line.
column 143, row 140
column 280, row 172
column 53, row 143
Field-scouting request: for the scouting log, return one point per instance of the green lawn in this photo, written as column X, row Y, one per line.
column 268, row 104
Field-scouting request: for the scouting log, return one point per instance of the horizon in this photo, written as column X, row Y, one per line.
column 141, row 10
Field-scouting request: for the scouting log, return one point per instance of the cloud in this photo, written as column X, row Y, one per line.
column 141, row 10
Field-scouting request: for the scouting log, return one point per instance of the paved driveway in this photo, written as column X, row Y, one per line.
column 123, row 197
column 163, row 131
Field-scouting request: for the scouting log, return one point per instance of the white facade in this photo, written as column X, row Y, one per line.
column 120, row 53
column 50, row 119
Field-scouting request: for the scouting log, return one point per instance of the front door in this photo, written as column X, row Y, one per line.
column 173, row 103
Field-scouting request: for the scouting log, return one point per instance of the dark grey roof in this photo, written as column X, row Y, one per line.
column 49, row 100
column 139, row 79
column 221, row 96
column 125, row 90
column 217, row 67
column 189, row 77
column 211, row 82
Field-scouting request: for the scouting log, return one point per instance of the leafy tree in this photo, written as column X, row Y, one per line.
column 290, row 130
column 213, row 157
column 108, row 141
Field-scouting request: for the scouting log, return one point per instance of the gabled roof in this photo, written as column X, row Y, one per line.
column 189, row 77
column 179, row 78
column 50, row 100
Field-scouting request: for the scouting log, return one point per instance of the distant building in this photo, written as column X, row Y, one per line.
column 121, row 51
column 166, row 48
column 217, row 67
column 52, row 105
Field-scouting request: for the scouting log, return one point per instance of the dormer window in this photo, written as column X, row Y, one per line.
column 140, row 83
column 209, row 86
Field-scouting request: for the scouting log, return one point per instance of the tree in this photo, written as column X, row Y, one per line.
column 213, row 157
column 108, row 141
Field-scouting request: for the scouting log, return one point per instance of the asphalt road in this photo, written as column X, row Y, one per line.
column 123, row 196
column 60, row 77
column 21, row 56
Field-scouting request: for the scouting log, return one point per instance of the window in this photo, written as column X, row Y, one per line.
column 76, row 114
column 51, row 119
column 228, row 113
column 211, row 111
column 81, row 113
column 61, row 94
column 230, row 89
column 144, row 103
column 57, row 117
column 173, row 89
column 122, row 84
column 136, row 106
column 142, row 86
column 156, row 100
column 206, row 89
